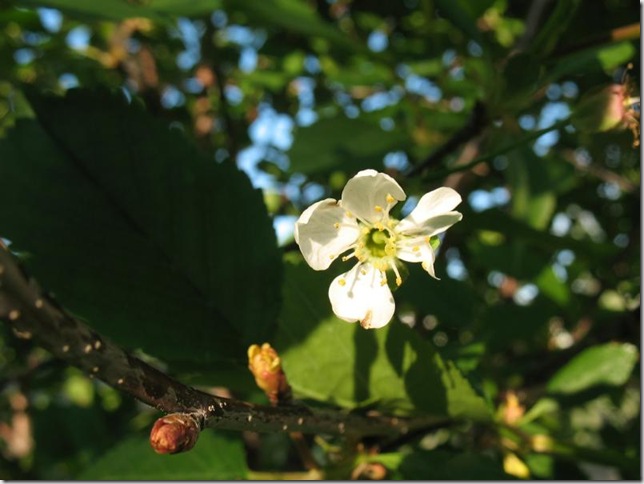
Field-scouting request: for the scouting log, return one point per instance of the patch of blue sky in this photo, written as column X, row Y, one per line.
column 570, row 90
column 396, row 160
column 306, row 117
column 272, row 129
column 51, row 19
column 192, row 85
column 248, row 59
column 423, row 87
column 247, row 161
column 34, row 38
column 219, row 19
column 554, row 92
column 190, row 33
column 234, row 95
column 526, row 294
column 78, row 38
column 68, row 81
column 284, row 226
column 408, row 205
column 527, row 122
column 312, row 64
column 448, row 58
column 455, row 267
column 24, row 56
column 311, row 193
column 474, row 49
column 382, row 99
column 481, row 200
column 387, row 124
column 377, row 41
column 245, row 36
column 561, row 224
column 172, row 97
column 550, row 114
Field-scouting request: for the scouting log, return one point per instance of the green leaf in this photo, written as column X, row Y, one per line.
column 607, row 364
column 293, row 16
column 214, row 457
column 121, row 9
column 445, row 465
column 533, row 199
column 155, row 245
column 426, row 296
column 391, row 368
column 341, row 143
column 602, row 58
column 458, row 14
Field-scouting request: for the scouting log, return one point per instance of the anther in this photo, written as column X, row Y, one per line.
column 39, row 303
column 97, row 344
column 95, row 369
column 378, row 208
column 389, row 198
column 88, row 348
column 284, row 427
column 336, row 225
column 342, row 282
column 13, row 315
column 65, row 348
column 415, row 248
column 300, row 421
column 120, row 381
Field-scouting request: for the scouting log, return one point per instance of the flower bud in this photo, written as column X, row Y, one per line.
column 174, row 433
column 607, row 108
column 265, row 365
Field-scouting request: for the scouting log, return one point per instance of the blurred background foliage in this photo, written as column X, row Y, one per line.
column 122, row 198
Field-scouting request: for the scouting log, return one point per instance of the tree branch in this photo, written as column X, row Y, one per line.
column 34, row 314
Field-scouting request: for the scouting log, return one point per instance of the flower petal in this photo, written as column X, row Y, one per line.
column 358, row 295
column 371, row 194
column 433, row 213
column 323, row 232
column 418, row 252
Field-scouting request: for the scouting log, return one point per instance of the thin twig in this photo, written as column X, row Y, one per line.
column 476, row 123
column 487, row 158
column 34, row 314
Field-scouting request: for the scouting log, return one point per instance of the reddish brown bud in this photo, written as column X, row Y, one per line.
column 266, row 366
column 174, row 433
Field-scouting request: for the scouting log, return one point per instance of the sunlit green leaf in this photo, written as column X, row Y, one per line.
column 608, row 364
column 391, row 368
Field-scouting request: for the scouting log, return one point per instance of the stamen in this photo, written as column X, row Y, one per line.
column 379, row 226
column 347, row 257
column 378, row 208
column 395, row 269
column 389, row 198
column 336, row 225
column 342, row 282
column 383, row 281
column 415, row 248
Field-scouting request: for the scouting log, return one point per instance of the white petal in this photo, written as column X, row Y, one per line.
column 368, row 190
column 418, row 252
column 430, row 211
column 323, row 232
column 358, row 295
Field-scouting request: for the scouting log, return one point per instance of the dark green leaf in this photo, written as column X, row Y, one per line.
column 608, row 364
column 444, row 465
column 292, row 16
column 214, row 457
column 156, row 246
column 603, row 58
column 341, row 143
column 122, row 9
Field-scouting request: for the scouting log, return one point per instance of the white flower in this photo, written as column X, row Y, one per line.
column 360, row 222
